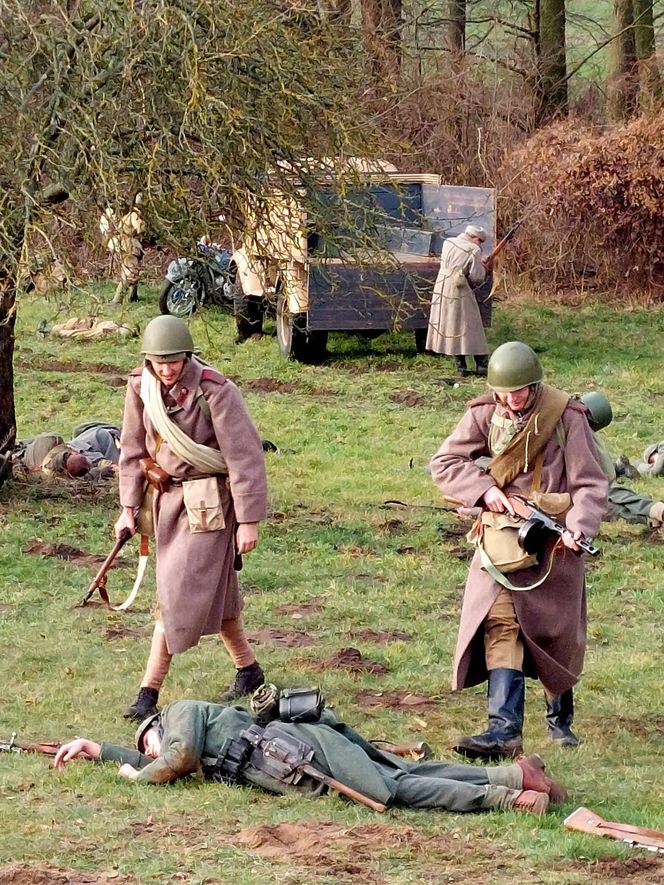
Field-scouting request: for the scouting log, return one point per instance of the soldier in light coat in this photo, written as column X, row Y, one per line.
column 455, row 324
column 209, row 493
column 532, row 620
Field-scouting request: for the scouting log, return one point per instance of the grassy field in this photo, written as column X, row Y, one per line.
column 332, row 566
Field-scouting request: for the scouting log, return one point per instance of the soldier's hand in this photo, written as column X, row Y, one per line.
column 497, row 501
column 125, row 521
column 128, row 771
column 80, row 747
column 246, row 537
column 569, row 540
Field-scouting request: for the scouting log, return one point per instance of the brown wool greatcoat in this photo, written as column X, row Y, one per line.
column 552, row 617
column 197, row 586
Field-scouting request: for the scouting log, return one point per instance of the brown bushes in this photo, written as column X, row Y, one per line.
column 594, row 204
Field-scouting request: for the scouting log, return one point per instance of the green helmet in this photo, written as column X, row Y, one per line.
column 145, row 725
column 512, row 366
column 167, row 339
column 600, row 413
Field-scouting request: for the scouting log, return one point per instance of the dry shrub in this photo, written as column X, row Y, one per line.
column 593, row 203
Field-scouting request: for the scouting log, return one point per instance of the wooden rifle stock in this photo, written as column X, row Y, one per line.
column 46, row 748
column 498, row 248
column 99, row 582
column 333, row 784
column 586, row 821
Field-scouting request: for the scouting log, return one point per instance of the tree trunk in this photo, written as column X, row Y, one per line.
column 456, row 29
column 622, row 86
column 381, row 22
column 7, row 324
column 551, row 61
column 650, row 84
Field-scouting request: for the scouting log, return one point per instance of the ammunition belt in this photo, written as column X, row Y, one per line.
column 229, row 764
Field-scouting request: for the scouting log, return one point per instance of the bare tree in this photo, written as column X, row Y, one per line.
column 623, row 79
column 650, row 84
column 193, row 101
column 551, row 89
column 382, row 23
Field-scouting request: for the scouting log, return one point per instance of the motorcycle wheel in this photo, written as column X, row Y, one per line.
column 180, row 299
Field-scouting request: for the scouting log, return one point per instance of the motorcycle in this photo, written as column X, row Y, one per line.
column 192, row 282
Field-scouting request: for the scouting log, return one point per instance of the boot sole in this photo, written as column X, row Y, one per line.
column 488, row 755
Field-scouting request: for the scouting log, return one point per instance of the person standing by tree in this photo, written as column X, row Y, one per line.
column 521, row 615
column 455, row 324
column 186, row 430
column 123, row 239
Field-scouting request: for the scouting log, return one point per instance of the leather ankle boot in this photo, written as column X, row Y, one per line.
column 247, row 680
column 481, row 365
column 531, row 801
column 144, row 705
column 505, row 701
column 461, row 366
column 559, row 718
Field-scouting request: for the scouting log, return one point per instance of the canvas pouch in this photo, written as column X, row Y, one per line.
column 497, row 534
column 203, row 504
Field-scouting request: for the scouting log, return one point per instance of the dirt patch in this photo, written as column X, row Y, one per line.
column 395, row 700
column 348, row 853
column 69, row 554
column 7, row 609
column 634, row 870
column 117, row 631
column 452, row 532
column 270, row 385
column 392, row 526
column 70, row 366
column 388, row 366
column 300, row 609
column 461, row 553
column 26, row 874
column 644, row 727
column 350, row 659
column 116, row 381
column 284, row 638
column 407, row 398
column 355, row 549
column 380, row 636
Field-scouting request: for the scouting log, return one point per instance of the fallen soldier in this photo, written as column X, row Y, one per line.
column 215, row 740
column 93, row 451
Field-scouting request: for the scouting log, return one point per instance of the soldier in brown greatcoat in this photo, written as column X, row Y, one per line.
column 522, row 617
column 209, row 490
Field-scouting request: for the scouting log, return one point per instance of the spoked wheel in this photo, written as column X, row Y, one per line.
column 296, row 341
column 180, row 299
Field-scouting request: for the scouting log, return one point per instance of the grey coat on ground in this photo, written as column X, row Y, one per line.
column 197, row 586
column 455, row 324
column 552, row 617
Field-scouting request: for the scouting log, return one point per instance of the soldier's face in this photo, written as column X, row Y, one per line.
column 151, row 743
column 516, row 399
column 168, row 373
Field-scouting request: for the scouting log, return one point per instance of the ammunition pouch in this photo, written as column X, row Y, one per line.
column 155, row 475
column 230, row 763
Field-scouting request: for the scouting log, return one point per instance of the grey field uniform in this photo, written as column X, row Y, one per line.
column 625, row 503
column 195, row 731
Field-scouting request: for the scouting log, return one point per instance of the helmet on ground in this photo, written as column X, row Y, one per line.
column 167, row 339
column 145, row 726
column 512, row 366
column 600, row 413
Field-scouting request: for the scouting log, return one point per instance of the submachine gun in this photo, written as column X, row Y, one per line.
column 539, row 525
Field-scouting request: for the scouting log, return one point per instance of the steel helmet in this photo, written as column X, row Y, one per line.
column 167, row 338
column 512, row 366
column 600, row 413
column 142, row 728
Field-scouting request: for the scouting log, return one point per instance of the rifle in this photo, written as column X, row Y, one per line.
column 99, row 582
column 586, row 821
column 14, row 746
column 537, row 524
column 498, row 248
column 284, row 757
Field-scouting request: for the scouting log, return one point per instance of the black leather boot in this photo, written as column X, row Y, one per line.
column 144, row 705
column 461, row 366
column 247, row 680
column 559, row 718
column 505, row 701
column 481, row 365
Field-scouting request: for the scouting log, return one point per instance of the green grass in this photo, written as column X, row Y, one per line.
column 346, row 446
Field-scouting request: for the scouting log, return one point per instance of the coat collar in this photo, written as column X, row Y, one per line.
column 185, row 389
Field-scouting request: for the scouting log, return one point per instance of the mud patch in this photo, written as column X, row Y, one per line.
column 270, row 385
column 300, row 609
column 392, row 527
column 407, row 398
column 451, row 532
column 283, row 638
column 70, row 366
column 117, row 631
column 350, row 659
column 346, row 853
column 634, row 870
column 461, row 553
column 395, row 700
column 380, row 636
column 69, row 554
column 26, row 874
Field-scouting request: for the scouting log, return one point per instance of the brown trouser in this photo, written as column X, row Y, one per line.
column 159, row 661
column 503, row 646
